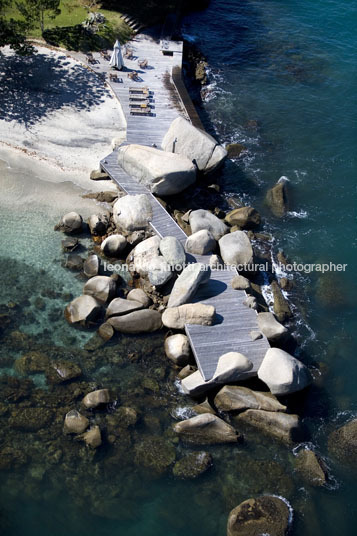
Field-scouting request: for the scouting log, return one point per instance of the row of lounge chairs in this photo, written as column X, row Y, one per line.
column 140, row 101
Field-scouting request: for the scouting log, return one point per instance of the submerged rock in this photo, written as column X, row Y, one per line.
column 342, row 443
column 204, row 220
column 237, row 398
column 236, row 249
column 255, row 517
column 206, row 429
column 62, row 371
column 106, row 331
column 96, row 398
column 143, row 321
column 75, row 423
column 311, row 467
column 32, row 363
column 187, row 283
column 163, row 173
column 93, row 437
column 99, row 223
column 155, row 454
column 177, row 349
column 69, row 244
column 195, row 144
column 192, row 465
column 74, row 262
column 132, row 212
column 277, row 198
column 30, row 419
column 278, row 425
column 189, row 313
column 101, row 288
column 282, row 373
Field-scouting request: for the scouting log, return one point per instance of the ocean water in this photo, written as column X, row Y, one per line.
column 282, row 76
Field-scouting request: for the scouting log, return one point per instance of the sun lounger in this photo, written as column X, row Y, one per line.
column 140, row 111
column 139, row 90
column 143, row 64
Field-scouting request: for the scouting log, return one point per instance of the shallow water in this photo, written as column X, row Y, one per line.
column 288, row 67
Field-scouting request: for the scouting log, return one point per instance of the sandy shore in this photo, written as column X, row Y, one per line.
column 57, row 112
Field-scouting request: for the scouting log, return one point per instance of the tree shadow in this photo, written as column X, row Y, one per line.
column 33, row 87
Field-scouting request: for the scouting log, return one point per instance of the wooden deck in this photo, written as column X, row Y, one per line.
column 234, row 320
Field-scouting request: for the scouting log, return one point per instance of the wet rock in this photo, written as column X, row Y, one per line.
column 186, row 371
column 264, row 515
column 234, row 150
column 143, row 321
column 62, row 371
column 173, row 252
column 11, row 458
column 200, row 73
column 125, row 417
column 201, row 243
column 99, row 223
column 155, row 454
column 282, row 373
column 30, row 419
column 101, row 288
column 204, row 407
column 96, row 398
column 187, row 283
column 93, row 437
column 277, row 198
column 69, row 244
column 98, row 175
column 113, row 245
column 106, row 331
column 189, row 313
column 132, row 212
column 74, row 262
column 192, row 465
column 177, row 349
column 236, row 249
column 195, row 144
column 205, row 220
column 311, row 468
column 271, row 328
column 282, row 309
column 120, row 306
column 236, row 398
column 239, row 282
column 251, row 302
column 70, row 223
column 244, row 217
column 75, row 423
column 163, row 173
column 342, row 443
column 206, row 429
column 82, row 310
column 91, row 266
column 32, row 363
column 278, row 425
column 138, row 295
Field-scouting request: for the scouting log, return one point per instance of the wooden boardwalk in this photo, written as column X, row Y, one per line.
column 234, row 320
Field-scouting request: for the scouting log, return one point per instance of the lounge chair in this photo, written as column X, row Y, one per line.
column 143, row 64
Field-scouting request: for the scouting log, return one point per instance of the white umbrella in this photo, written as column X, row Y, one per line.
column 117, row 59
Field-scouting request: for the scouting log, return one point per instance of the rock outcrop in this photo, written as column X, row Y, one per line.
column 113, row 245
column 271, row 328
column 201, row 243
column 281, row 426
column 185, row 139
column 277, row 198
column 203, row 219
column 187, row 283
column 255, row 517
column 173, row 251
column 236, row 249
column 189, row 313
column 237, row 398
column 82, row 309
column 70, row 223
column 100, row 287
column 282, row 373
column 163, row 173
column 244, row 217
column 143, row 321
column 177, row 349
column 132, row 212
column 342, row 443
column 206, row 429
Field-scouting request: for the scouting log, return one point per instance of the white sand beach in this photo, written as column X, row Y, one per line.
column 57, row 112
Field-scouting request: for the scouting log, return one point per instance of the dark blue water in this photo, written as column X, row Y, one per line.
column 283, row 77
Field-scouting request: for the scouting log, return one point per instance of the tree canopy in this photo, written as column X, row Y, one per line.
column 12, row 32
column 34, row 11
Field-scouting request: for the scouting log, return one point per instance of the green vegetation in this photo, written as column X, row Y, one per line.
column 35, row 11
column 66, row 30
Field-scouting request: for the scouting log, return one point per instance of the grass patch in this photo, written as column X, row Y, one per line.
column 66, row 30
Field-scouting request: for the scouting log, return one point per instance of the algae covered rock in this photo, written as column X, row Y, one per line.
column 32, row 363
column 62, row 371
column 155, row 454
column 192, row 465
column 342, row 443
column 264, row 515
column 96, row 398
column 311, row 468
column 277, row 198
column 30, row 419
column 75, row 423
column 206, row 429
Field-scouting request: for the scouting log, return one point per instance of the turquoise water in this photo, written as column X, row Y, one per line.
column 288, row 67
